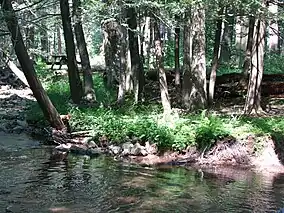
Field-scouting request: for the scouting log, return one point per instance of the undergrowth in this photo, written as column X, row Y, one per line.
column 147, row 123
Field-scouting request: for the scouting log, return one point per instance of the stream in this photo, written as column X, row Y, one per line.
column 33, row 179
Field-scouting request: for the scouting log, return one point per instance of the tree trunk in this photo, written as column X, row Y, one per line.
column 241, row 37
column 273, row 30
column 187, row 48
column 247, row 62
column 195, row 92
column 123, row 65
column 162, row 75
column 253, row 94
column 44, row 102
column 59, row 44
column 215, row 61
column 84, row 55
column 73, row 73
column 136, row 65
column 227, row 39
column 177, row 64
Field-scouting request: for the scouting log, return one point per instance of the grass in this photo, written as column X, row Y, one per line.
column 147, row 123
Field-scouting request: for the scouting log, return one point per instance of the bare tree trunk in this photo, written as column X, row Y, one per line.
column 241, row 37
column 227, row 39
column 247, row 62
column 73, row 73
column 273, row 30
column 187, row 48
column 123, row 65
column 162, row 75
column 177, row 47
column 44, row 102
column 84, row 55
column 254, row 92
column 59, row 44
column 215, row 61
column 136, row 65
column 195, row 91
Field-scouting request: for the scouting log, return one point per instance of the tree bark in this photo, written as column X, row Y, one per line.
column 254, row 91
column 195, row 91
column 187, row 48
column 273, row 29
column 73, row 73
column 44, row 102
column 162, row 75
column 123, row 65
column 177, row 47
column 84, row 55
column 215, row 61
column 136, row 65
column 227, row 39
column 247, row 62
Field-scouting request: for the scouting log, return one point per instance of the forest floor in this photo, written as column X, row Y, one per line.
column 16, row 99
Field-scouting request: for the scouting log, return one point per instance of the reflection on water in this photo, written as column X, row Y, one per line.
column 33, row 180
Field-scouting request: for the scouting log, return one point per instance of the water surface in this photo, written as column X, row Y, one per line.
column 33, row 180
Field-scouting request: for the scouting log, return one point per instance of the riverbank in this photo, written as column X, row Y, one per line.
column 141, row 134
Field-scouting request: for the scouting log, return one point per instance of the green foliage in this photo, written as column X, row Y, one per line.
column 273, row 64
column 209, row 130
column 147, row 123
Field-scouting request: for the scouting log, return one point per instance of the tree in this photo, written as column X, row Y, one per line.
column 194, row 87
column 254, row 91
column 215, row 60
column 177, row 47
column 73, row 73
column 136, row 64
column 44, row 102
column 161, row 71
column 84, row 55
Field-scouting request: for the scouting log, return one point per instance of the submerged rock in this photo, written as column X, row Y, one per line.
column 95, row 152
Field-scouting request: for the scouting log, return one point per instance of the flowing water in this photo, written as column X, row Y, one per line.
column 33, row 180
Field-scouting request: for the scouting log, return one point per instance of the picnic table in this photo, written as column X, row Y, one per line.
column 59, row 60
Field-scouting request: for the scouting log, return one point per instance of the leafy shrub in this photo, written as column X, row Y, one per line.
column 209, row 130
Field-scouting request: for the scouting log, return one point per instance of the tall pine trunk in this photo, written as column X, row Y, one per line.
column 253, row 99
column 136, row 65
column 73, row 73
column 215, row 61
column 44, row 102
column 177, row 50
column 162, row 75
column 84, row 55
column 194, row 87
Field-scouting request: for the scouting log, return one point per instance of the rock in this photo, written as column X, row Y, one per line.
column 21, row 123
column 17, row 129
column 95, row 152
column 79, row 149
column 92, row 144
column 86, row 140
column 144, row 152
column 136, row 149
column 64, row 147
column 151, row 148
column 126, row 147
column 115, row 149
